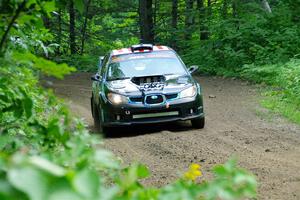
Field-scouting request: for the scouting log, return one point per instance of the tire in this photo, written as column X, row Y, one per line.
column 99, row 128
column 198, row 123
column 92, row 106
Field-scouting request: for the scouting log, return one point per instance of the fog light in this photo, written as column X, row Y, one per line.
column 127, row 112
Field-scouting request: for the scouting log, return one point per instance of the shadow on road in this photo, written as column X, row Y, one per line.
column 136, row 130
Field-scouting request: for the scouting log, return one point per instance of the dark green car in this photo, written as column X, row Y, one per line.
column 145, row 84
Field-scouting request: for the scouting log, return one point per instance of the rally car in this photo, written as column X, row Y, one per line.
column 144, row 84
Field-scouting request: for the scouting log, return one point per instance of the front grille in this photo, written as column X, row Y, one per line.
column 136, row 99
column 171, row 96
column 154, row 99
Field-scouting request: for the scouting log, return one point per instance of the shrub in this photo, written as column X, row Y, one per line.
column 284, row 79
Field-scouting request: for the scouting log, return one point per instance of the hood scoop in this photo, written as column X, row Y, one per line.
column 149, row 83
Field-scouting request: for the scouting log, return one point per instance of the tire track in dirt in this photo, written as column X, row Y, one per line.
column 267, row 146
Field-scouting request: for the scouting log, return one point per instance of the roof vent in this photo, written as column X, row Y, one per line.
column 141, row 48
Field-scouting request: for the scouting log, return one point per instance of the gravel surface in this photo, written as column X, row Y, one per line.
column 265, row 144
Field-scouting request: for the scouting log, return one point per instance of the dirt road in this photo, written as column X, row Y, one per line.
column 236, row 125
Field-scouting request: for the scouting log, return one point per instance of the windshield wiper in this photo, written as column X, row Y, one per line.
column 169, row 74
column 119, row 78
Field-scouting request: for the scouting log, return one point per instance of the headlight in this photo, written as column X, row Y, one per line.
column 189, row 92
column 116, row 98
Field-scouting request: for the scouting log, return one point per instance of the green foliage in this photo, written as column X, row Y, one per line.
column 45, row 66
column 240, row 184
column 253, row 36
column 83, row 63
column 106, row 24
column 284, row 96
column 27, row 111
column 278, row 105
column 32, row 177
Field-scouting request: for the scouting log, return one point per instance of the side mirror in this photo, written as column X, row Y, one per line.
column 101, row 58
column 96, row 77
column 193, row 69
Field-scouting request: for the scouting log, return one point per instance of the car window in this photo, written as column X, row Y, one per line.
column 145, row 64
column 102, row 68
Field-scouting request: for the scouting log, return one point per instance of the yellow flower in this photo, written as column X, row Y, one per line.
column 193, row 173
column 195, row 166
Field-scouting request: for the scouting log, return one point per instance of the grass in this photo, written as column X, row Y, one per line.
column 264, row 114
column 290, row 110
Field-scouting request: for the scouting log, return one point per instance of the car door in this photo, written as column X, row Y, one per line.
column 98, row 85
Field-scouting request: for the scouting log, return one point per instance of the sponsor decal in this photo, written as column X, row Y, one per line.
column 152, row 86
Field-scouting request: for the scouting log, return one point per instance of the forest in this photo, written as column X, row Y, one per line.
column 47, row 153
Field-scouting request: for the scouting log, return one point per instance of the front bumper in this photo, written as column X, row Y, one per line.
column 131, row 114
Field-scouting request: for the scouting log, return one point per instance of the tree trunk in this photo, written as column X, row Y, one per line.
column 209, row 10
column 83, row 36
column 46, row 21
column 235, row 13
column 202, row 18
column 59, row 33
column 174, row 23
column 174, row 14
column 155, row 12
column 146, row 21
column 72, row 27
column 234, row 9
column 266, row 6
column 225, row 9
column 188, row 19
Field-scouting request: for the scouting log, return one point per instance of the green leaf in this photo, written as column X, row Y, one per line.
column 28, row 106
column 106, row 159
column 142, row 171
column 6, row 139
column 45, row 66
column 86, row 182
column 220, row 170
column 54, row 129
column 29, row 180
column 62, row 190
column 49, row 6
column 30, row 2
column 79, row 5
column 241, row 178
column 47, row 166
column 26, row 19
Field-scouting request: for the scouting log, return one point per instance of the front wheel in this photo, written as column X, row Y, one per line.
column 99, row 128
column 198, row 123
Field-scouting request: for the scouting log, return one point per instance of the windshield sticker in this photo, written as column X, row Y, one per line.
column 121, row 58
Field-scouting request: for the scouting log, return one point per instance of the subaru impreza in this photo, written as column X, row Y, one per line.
column 145, row 84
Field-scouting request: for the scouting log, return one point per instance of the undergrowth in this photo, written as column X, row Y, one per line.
column 283, row 95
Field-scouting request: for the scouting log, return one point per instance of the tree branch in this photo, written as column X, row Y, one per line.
column 18, row 11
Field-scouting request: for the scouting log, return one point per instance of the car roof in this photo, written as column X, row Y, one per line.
column 140, row 49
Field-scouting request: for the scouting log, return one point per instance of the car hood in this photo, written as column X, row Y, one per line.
column 170, row 84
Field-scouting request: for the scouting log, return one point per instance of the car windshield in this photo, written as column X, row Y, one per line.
column 144, row 64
